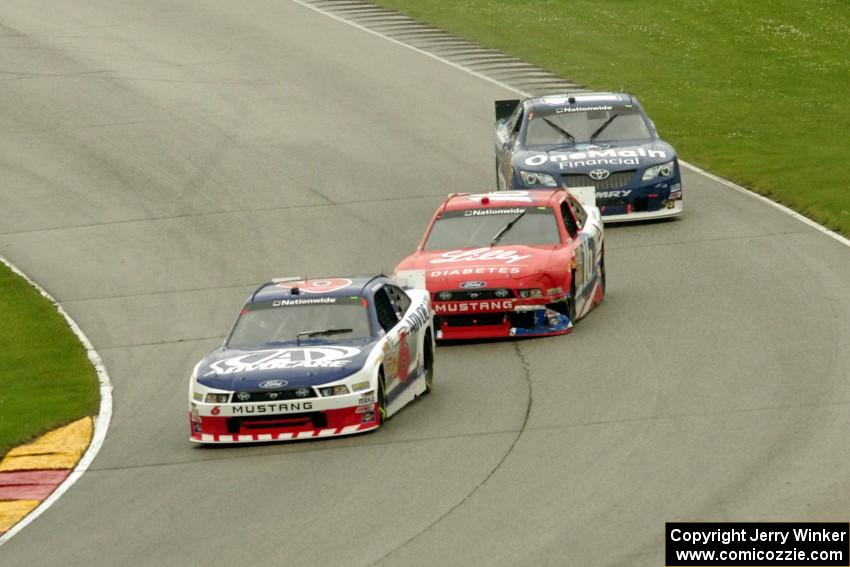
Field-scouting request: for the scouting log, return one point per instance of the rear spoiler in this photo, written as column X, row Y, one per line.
column 584, row 195
column 505, row 108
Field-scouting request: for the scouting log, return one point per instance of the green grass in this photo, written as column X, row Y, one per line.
column 753, row 91
column 46, row 379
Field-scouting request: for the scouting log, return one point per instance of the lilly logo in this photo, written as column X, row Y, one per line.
column 479, row 255
column 270, row 384
column 472, row 285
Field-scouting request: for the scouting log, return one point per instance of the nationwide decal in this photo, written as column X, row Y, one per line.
column 566, row 109
column 487, row 212
column 611, row 156
column 285, row 358
column 612, row 194
column 475, row 307
column 492, row 270
column 282, row 407
column 479, row 255
column 307, row 301
column 318, row 286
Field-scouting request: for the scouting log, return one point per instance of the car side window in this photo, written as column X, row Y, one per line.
column 569, row 221
column 515, row 121
column 385, row 311
column 579, row 212
column 399, row 299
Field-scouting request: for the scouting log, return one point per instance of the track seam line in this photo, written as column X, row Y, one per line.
column 101, row 420
column 526, row 371
column 718, row 239
column 725, row 182
column 331, row 203
column 161, row 343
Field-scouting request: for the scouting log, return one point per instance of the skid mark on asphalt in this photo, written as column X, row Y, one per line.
column 526, row 373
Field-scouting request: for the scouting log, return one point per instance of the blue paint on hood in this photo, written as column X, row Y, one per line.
column 312, row 363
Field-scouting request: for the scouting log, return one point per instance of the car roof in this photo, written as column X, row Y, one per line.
column 313, row 288
column 550, row 100
column 500, row 199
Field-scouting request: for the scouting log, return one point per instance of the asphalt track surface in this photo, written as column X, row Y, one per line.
column 159, row 159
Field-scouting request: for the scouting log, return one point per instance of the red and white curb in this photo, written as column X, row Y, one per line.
column 101, row 421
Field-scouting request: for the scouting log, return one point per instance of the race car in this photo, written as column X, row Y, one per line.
column 312, row 358
column 604, row 140
column 512, row 263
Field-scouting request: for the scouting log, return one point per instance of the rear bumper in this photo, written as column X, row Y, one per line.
column 281, row 427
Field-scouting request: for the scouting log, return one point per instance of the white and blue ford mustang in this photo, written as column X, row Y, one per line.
column 314, row 358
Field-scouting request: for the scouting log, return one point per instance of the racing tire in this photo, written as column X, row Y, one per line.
column 428, row 363
column 602, row 271
column 571, row 300
column 382, row 400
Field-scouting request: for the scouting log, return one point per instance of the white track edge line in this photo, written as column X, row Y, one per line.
column 101, row 421
column 731, row 185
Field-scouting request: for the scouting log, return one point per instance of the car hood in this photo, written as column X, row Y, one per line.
column 289, row 366
column 583, row 158
column 489, row 265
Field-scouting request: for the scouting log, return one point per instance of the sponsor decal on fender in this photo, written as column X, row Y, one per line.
column 416, row 319
column 284, row 358
column 480, row 254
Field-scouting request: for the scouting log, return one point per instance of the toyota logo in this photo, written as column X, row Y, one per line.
column 599, row 174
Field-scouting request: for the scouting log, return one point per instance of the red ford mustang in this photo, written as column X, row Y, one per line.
column 512, row 263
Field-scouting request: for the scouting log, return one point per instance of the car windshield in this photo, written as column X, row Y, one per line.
column 314, row 319
column 473, row 228
column 607, row 124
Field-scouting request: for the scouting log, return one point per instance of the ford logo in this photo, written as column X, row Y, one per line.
column 472, row 285
column 599, row 174
column 271, row 384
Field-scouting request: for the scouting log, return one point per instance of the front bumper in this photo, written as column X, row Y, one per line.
column 526, row 318
column 284, row 421
column 671, row 209
column 643, row 202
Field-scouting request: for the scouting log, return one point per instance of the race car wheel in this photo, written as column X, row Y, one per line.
column 571, row 300
column 602, row 270
column 429, row 363
column 382, row 399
